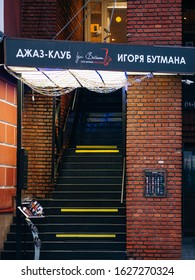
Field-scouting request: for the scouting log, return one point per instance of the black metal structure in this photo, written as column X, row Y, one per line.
column 19, row 166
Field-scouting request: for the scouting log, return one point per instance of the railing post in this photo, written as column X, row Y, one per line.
column 124, row 113
column 124, row 116
column 53, row 138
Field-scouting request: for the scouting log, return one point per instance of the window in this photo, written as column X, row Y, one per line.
column 105, row 21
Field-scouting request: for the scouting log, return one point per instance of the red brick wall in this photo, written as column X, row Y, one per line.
column 154, row 125
column 66, row 16
column 66, row 104
column 8, row 135
column 154, row 122
column 37, row 139
column 45, row 18
column 154, row 22
column 38, row 19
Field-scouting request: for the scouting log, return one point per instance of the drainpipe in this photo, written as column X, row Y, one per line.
column 19, row 171
column 124, row 112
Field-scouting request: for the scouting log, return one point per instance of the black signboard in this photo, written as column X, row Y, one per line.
column 155, row 183
column 98, row 56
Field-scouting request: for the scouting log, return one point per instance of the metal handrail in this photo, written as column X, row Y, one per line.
column 74, row 100
column 59, row 142
column 123, row 180
column 57, row 112
column 67, row 116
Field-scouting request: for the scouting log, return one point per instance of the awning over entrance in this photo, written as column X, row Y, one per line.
column 61, row 81
column 58, row 67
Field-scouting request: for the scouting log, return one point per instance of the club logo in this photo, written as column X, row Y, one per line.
column 91, row 58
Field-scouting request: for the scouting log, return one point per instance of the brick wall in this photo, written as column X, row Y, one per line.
column 154, row 122
column 38, row 19
column 154, row 125
column 8, row 135
column 37, row 139
column 45, row 18
column 66, row 13
column 154, row 22
column 66, row 104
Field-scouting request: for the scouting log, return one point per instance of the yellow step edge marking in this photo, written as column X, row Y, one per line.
column 97, row 151
column 96, row 147
column 79, row 235
column 89, row 210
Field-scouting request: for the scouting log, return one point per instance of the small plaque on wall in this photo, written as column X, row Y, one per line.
column 155, row 183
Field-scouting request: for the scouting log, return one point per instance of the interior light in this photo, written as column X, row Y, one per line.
column 118, row 19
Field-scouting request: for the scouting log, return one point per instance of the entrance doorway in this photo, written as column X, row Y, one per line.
column 188, row 184
column 189, row 191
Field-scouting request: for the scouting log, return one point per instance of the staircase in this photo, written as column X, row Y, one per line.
column 85, row 219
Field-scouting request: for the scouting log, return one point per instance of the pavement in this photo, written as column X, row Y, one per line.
column 188, row 248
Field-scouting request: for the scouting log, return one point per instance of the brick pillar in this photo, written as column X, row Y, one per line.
column 154, row 141
column 154, row 137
